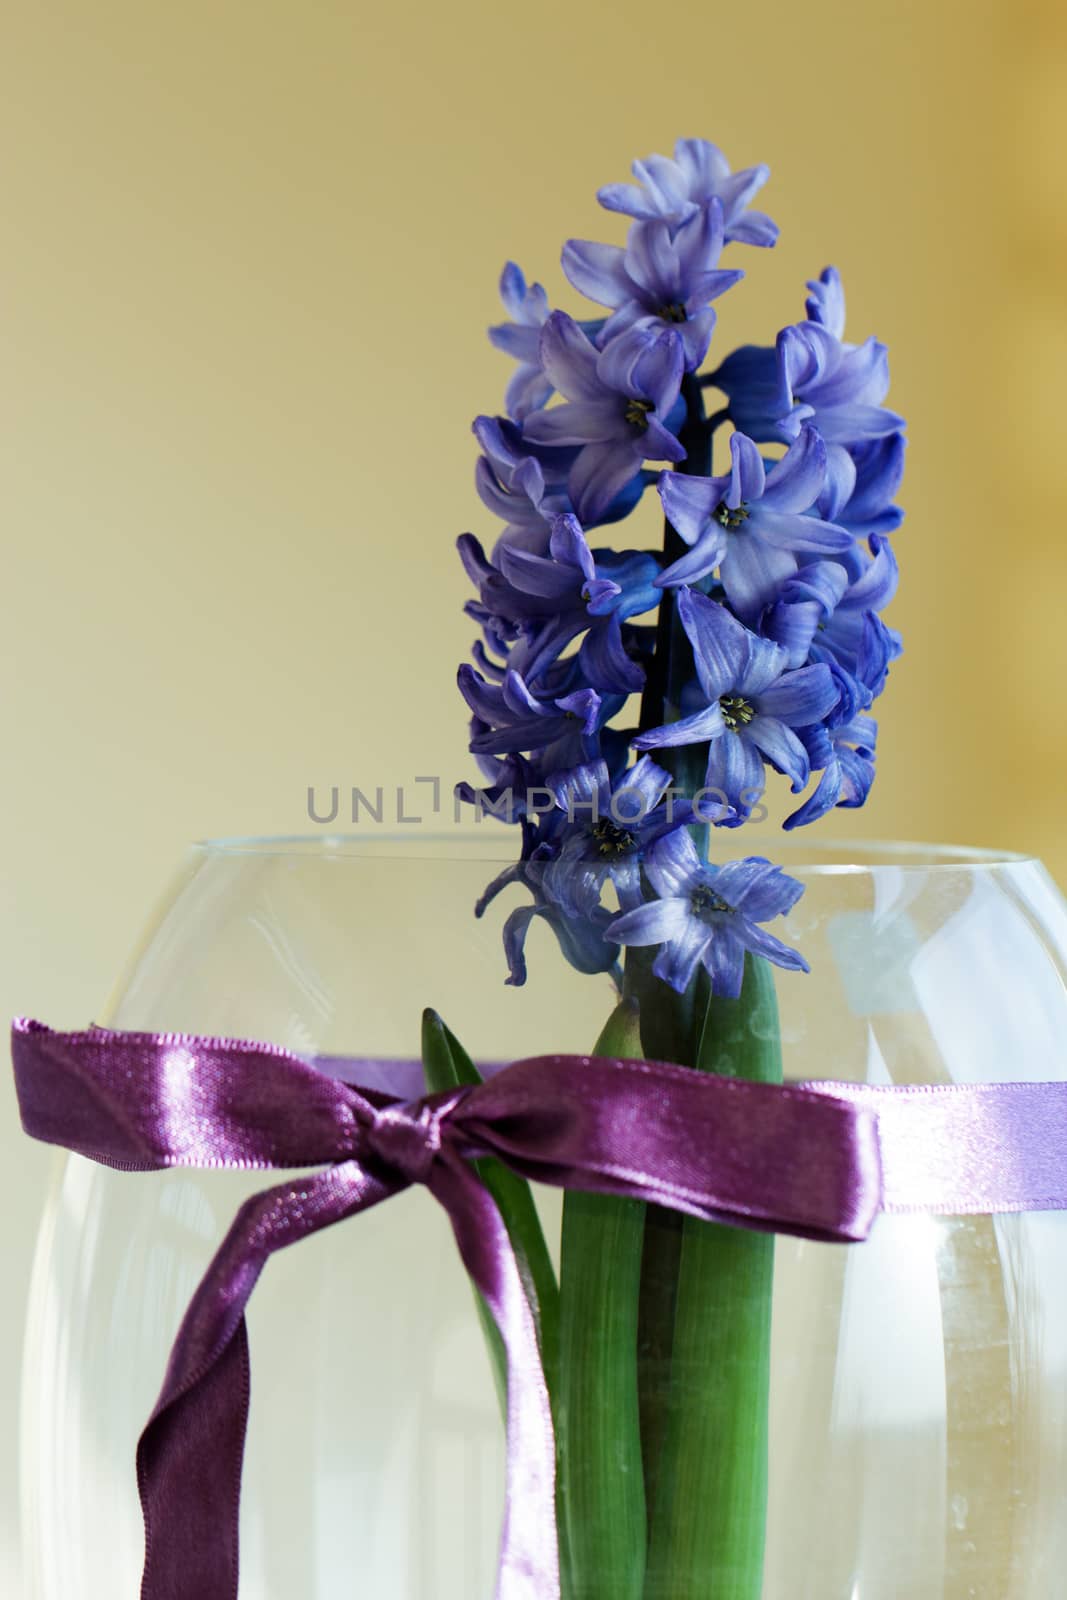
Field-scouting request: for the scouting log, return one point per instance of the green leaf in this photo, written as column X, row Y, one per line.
column 448, row 1066
column 601, row 1482
column 709, row 1528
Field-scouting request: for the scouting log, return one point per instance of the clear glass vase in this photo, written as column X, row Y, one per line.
column 918, row 1382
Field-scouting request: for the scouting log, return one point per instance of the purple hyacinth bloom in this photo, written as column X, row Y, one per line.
column 583, row 940
column 510, row 718
column 840, row 385
column 527, row 306
column 804, row 605
column 842, row 601
column 544, row 603
column 601, row 580
column 855, row 637
column 582, row 937
column 709, row 916
column 846, row 756
column 609, row 829
column 751, row 524
column 672, row 191
column 861, row 481
column 660, row 281
column 621, row 404
column 753, row 705
column 813, row 376
column 510, row 780
column 526, row 493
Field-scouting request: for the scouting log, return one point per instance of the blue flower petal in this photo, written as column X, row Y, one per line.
column 601, row 473
column 678, row 960
column 659, row 444
column 569, row 359
column 704, row 557
column 654, row 263
column 747, row 476
column 735, row 770
column 725, row 962
column 758, row 888
column 689, row 503
column 527, row 391
column 780, row 745
column 720, row 642
column 696, row 729
column 577, row 423
column 845, row 424
column 800, row 698
column 598, row 271
column 549, row 579
column 604, row 661
column 795, row 482
column 655, row 922
column 674, row 866
column 583, row 792
column 753, row 572
column 764, row 944
column 826, row 301
column 658, row 371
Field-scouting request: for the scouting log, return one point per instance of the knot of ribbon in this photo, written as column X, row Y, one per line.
column 407, row 1137
column 820, row 1160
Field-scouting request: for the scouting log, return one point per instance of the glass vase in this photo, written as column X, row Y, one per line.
column 917, row 1384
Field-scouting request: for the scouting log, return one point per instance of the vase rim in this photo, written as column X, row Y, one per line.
column 829, row 856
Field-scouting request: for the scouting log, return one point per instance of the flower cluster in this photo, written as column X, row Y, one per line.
column 754, row 636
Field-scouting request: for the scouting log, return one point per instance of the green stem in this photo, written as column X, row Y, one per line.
column 709, row 1529
column 670, row 1024
column 672, row 664
column 601, row 1487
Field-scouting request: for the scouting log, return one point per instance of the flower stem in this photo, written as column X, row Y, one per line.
column 670, row 1024
column 672, row 663
column 709, row 1528
column 601, row 1490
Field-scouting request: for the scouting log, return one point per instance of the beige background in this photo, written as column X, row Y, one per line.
column 249, row 251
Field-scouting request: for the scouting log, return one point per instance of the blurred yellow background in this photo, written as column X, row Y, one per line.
column 249, row 254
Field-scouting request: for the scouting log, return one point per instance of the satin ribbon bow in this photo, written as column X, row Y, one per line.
column 819, row 1160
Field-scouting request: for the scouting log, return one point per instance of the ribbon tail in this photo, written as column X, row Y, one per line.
column 190, row 1454
column 529, row 1545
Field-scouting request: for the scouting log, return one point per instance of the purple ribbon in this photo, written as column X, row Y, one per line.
column 820, row 1160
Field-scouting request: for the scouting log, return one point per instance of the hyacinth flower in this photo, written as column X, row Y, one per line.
column 830, row 611
column 609, row 830
column 861, row 482
column 580, row 931
column 855, row 637
column 513, row 719
column 619, row 407
column 846, row 756
column 516, row 487
column 583, row 939
column 661, row 281
column 753, row 705
column 528, row 309
column 752, row 525
column 545, row 603
column 811, row 375
column 709, row 916
column 672, row 190
column 756, row 638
